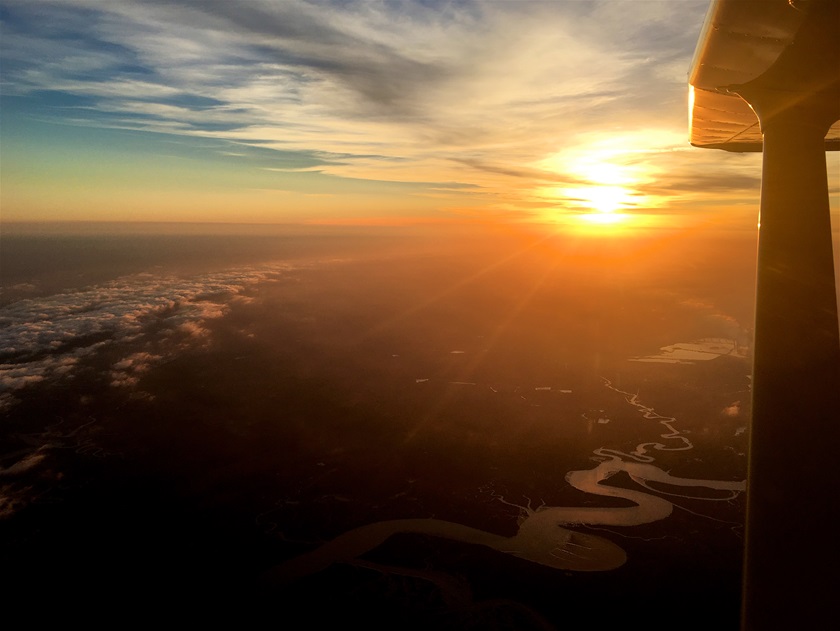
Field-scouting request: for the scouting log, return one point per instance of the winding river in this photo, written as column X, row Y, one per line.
column 544, row 535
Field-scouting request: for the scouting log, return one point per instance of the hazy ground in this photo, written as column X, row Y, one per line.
column 183, row 413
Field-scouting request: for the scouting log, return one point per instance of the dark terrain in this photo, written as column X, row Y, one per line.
column 325, row 401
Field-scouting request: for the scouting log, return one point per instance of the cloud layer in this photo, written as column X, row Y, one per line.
column 47, row 338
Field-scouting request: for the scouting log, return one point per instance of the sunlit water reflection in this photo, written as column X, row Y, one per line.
column 544, row 536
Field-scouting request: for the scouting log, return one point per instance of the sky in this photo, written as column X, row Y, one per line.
column 375, row 112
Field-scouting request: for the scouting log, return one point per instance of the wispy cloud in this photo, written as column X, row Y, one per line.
column 400, row 90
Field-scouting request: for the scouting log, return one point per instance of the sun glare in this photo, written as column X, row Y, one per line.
column 605, row 199
column 604, row 219
column 604, row 184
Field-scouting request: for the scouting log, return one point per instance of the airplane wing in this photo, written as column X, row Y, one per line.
column 740, row 41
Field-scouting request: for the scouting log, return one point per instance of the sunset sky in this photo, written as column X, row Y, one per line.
column 263, row 111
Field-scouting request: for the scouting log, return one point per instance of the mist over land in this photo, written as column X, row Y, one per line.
column 185, row 413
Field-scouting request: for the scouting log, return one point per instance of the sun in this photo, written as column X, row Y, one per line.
column 603, row 185
column 605, row 199
column 604, row 218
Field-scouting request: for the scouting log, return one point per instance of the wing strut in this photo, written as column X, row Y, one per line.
column 792, row 554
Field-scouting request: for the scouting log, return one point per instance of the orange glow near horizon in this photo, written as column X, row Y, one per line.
column 605, row 218
column 607, row 224
column 604, row 199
